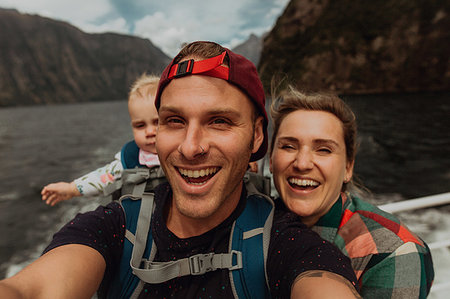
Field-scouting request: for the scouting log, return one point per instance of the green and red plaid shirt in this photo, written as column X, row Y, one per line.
column 389, row 260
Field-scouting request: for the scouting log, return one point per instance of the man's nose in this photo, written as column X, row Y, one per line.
column 193, row 144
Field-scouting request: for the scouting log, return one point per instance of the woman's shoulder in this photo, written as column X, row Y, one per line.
column 365, row 227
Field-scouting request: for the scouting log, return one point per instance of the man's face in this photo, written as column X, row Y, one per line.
column 205, row 138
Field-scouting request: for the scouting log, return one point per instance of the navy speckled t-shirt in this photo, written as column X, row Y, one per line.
column 293, row 249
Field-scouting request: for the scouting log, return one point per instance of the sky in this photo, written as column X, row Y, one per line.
column 167, row 23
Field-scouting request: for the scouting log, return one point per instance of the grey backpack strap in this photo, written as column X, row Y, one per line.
column 142, row 228
column 158, row 272
column 112, row 187
column 129, row 177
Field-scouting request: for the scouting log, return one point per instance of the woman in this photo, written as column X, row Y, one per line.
column 312, row 155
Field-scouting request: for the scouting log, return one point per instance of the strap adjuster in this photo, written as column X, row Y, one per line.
column 209, row 67
column 184, row 68
column 201, row 263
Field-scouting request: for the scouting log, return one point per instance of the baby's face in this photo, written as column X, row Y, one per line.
column 144, row 122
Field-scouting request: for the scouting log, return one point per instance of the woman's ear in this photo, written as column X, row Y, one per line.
column 348, row 171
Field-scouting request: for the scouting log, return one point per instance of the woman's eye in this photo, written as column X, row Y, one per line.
column 325, row 150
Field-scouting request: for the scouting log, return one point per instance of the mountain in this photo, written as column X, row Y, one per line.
column 251, row 48
column 44, row 61
column 352, row 47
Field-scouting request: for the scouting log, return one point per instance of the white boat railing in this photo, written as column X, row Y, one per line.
column 420, row 203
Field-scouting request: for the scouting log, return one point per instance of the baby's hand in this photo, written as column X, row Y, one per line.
column 56, row 192
column 253, row 167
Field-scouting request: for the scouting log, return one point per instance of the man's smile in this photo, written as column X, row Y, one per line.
column 198, row 176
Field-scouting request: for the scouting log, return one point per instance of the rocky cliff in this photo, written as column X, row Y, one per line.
column 251, row 48
column 48, row 61
column 353, row 47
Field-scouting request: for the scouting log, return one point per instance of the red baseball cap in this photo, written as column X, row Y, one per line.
column 241, row 72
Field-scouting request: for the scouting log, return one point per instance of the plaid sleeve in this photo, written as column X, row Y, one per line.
column 405, row 273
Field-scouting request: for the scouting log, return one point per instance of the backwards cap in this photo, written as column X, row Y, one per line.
column 241, row 72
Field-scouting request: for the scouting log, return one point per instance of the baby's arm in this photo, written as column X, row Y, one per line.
column 95, row 182
column 89, row 185
column 56, row 192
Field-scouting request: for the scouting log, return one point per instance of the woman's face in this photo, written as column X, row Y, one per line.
column 309, row 163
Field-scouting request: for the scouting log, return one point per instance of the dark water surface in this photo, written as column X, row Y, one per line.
column 404, row 153
column 405, row 143
column 44, row 144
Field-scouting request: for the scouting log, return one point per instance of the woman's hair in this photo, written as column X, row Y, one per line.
column 292, row 100
column 144, row 86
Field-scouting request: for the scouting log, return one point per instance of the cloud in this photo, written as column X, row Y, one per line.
column 160, row 31
column 167, row 23
column 177, row 22
column 78, row 13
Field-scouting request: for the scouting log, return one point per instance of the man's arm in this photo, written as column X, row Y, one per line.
column 322, row 284
column 69, row 271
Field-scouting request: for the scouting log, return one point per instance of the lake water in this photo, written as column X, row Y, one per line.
column 404, row 153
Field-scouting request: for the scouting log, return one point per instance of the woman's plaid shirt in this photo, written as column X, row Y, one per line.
column 389, row 260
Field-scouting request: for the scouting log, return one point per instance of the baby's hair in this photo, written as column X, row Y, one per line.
column 144, row 86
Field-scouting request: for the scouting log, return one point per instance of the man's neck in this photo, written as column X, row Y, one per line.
column 185, row 227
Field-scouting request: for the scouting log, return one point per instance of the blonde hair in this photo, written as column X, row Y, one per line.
column 144, row 86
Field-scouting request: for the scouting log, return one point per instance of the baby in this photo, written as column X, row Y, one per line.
column 144, row 122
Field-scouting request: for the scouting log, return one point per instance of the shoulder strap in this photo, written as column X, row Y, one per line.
column 132, row 178
column 250, row 234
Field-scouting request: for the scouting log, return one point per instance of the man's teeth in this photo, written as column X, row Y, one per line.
column 198, row 173
column 303, row 183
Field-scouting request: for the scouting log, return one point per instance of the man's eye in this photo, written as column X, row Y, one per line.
column 174, row 121
column 287, row 146
column 220, row 121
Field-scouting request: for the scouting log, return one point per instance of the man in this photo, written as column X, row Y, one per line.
column 212, row 122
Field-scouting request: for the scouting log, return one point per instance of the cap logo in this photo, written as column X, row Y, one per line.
column 209, row 67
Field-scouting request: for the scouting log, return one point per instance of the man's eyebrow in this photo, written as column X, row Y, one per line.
column 231, row 112
column 168, row 109
column 212, row 112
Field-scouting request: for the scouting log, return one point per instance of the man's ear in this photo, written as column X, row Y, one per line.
column 258, row 134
